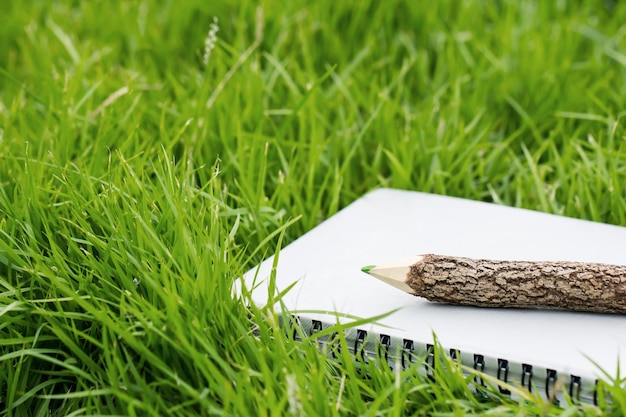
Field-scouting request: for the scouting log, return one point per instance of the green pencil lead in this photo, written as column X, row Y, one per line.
column 368, row 268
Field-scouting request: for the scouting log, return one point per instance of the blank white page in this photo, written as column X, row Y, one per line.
column 386, row 224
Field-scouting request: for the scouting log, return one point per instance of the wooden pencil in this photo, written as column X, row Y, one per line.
column 575, row 286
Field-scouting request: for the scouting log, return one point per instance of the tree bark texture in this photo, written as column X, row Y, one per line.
column 577, row 286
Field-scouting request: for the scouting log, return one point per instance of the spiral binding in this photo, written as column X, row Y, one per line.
column 369, row 346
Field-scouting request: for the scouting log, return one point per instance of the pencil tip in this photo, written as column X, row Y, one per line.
column 368, row 268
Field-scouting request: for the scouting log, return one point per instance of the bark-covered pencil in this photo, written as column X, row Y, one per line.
column 576, row 286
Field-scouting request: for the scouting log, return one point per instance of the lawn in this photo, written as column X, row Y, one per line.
column 152, row 152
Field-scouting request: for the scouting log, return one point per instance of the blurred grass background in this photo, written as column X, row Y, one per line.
column 137, row 181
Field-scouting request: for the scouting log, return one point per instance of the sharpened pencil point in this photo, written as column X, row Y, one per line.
column 368, row 268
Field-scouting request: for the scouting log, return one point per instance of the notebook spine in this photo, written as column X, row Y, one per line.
column 391, row 351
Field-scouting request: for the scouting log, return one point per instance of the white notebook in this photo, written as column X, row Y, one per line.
column 533, row 348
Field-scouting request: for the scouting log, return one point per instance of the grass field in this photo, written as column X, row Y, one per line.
column 142, row 172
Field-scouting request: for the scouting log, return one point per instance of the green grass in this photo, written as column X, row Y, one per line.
column 137, row 184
